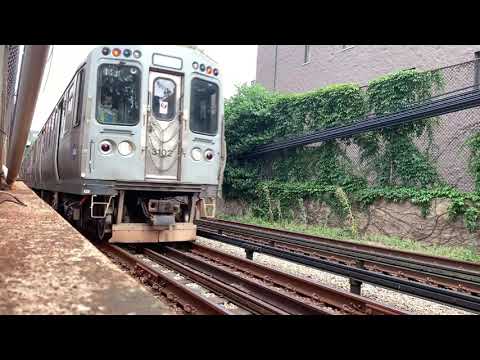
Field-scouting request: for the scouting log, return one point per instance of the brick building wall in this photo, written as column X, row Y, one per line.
column 334, row 64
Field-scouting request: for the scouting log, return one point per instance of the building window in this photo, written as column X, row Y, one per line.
column 306, row 57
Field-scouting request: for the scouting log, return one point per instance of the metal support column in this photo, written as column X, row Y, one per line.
column 249, row 254
column 3, row 101
column 476, row 79
column 121, row 201
column 33, row 64
column 356, row 285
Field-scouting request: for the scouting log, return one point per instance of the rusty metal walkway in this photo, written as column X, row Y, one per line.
column 48, row 267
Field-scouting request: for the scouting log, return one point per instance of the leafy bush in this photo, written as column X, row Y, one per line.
column 277, row 183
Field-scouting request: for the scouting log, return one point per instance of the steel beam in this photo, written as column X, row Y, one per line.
column 33, row 64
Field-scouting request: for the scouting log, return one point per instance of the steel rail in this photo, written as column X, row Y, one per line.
column 191, row 302
column 234, row 294
column 329, row 296
column 186, row 264
column 426, row 109
column 358, row 273
column 371, row 265
column 433, row 265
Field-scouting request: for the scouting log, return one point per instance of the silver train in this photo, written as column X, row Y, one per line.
column 134, row 150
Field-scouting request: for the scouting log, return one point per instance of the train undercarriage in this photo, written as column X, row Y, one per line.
column 133, row 216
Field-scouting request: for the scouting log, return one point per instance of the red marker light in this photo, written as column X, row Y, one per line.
column 209, row 155
column 105, row 147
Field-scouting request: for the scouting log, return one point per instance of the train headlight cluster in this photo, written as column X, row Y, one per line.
column 125, row 148
column 209, row 155
column 126, row 52
column 106, row 147
column 116, row 52
column 196, row 154
column 203, row 68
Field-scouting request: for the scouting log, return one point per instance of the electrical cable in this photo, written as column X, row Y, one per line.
column 418, row 111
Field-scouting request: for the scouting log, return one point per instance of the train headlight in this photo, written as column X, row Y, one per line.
column 125, row 148
column 106, row 147
column 137, row 54
column 196, row 154
column 116, row 52
column 105, row 51
column 209, row 155
column 195, row 65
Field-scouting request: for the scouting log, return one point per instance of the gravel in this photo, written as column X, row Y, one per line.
column 391, row 298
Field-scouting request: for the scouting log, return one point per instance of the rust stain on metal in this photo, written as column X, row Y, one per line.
column 48, row 267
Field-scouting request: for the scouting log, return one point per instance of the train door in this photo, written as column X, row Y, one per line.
column 163, row 128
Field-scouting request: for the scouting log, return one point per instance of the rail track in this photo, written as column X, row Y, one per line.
column 442, row 280
column 201, row 280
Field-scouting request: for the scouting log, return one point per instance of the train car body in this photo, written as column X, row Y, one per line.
column 135, row 146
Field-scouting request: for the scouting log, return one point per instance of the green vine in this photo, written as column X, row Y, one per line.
column 393, row 168
column 474, row 163
column 390, row 153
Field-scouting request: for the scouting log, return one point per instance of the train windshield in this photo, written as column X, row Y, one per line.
column 118, row 94
column 204, row 107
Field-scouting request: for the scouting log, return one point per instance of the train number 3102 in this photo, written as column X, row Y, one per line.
column 165, row 153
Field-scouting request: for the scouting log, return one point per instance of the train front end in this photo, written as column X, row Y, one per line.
column 154, row 148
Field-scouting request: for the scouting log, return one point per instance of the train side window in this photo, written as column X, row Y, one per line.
column 61, row 117
column 163, row 100
column 54, row 125
column 50, row 130
column 204, row 107
column 70, row 107
column 80, row 84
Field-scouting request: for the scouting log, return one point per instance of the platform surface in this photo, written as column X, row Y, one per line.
column 48, row 267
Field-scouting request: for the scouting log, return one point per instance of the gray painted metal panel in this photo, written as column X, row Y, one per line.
column 79, row 158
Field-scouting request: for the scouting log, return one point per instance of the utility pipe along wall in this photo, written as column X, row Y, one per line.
column 33, row 64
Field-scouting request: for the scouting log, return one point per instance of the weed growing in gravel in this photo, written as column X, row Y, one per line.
column 453, row 252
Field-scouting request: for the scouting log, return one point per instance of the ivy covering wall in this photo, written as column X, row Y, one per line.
column 393, row 167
